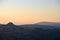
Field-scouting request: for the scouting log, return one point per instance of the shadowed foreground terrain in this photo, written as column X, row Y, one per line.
column 29, row 32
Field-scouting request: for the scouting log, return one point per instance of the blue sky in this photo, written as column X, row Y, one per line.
column 30, row 2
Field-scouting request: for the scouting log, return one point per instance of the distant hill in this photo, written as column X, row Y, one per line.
column 44, row 25
column 49, row 23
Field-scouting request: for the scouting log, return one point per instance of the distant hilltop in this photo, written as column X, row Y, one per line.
column 39, row 23
column 49, row 23
column 10, row 23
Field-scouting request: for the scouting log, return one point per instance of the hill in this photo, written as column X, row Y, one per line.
column 11, row 31
column 49, row 23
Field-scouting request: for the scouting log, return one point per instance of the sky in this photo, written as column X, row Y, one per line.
column 29, row 11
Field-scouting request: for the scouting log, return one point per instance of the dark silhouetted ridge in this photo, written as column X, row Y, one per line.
column 10, row 24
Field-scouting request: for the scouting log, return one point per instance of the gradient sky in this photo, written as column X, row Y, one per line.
column 29, row 11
